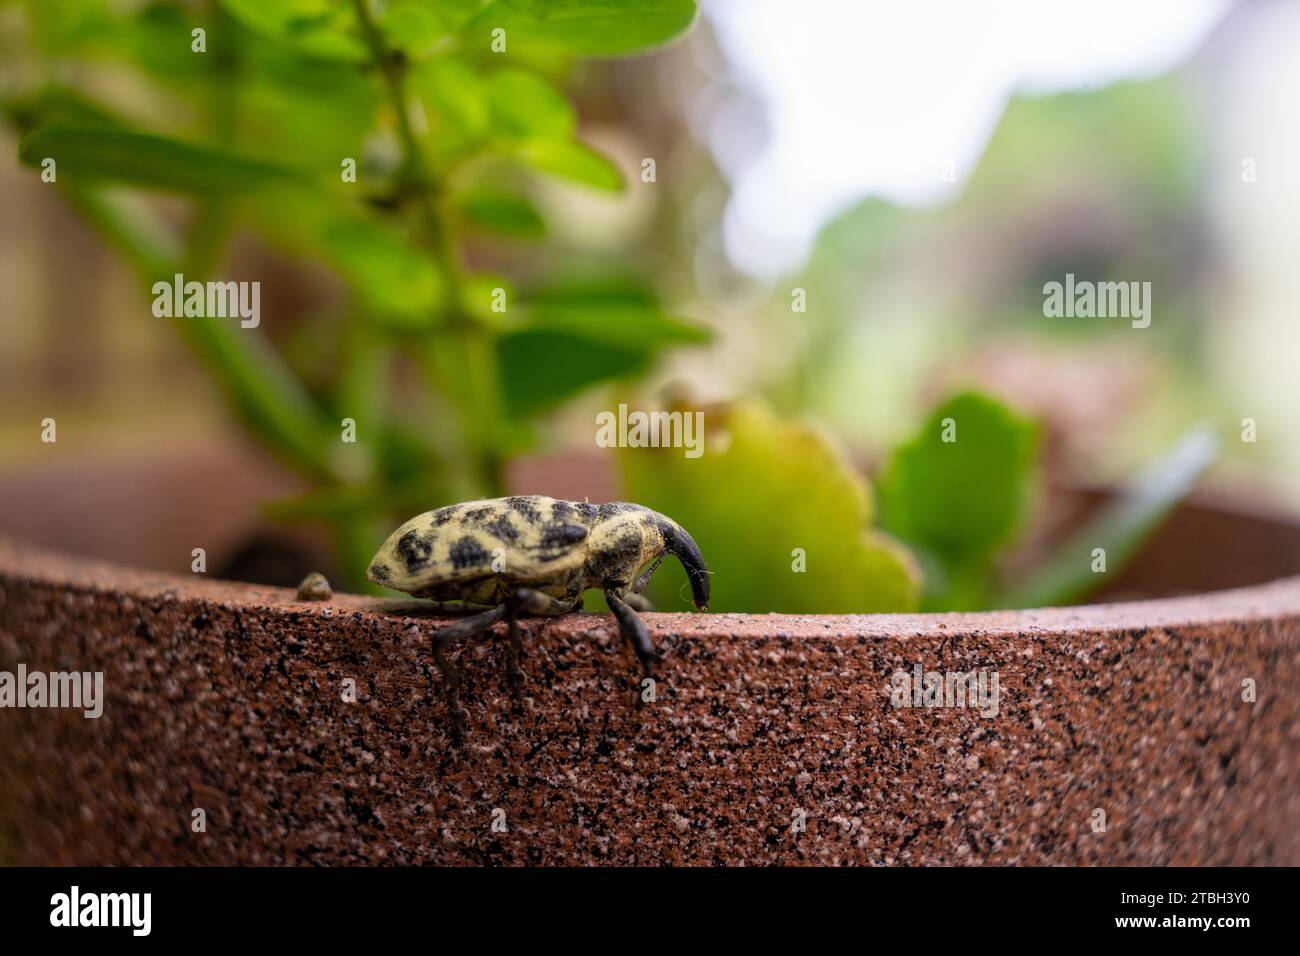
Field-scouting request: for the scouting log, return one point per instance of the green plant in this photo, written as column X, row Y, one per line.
column 786, row 522
column 782, row 518
column 445, row 110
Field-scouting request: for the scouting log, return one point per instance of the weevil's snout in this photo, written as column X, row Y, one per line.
column 681, row 545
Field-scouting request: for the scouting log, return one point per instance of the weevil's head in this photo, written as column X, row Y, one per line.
column 679, row 543
column 626, row 537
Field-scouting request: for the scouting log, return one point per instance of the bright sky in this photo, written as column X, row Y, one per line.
column 877, row 96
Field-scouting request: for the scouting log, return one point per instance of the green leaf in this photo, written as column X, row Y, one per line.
column 97, row 154
column 611, row 311
column 412, row 26
column 595, row 28
column 69, row 27
column 397, row 284
column 481, row 295
column 320, row 28
column 55, row 105
column 763, row 493
column 524, row 105
column 503, row 212
column 456, row 101
column 1120, row 528
column 306, row 113
column 962, row 499
column 457, row 13
column 570, row 160
column 575, row 335
column 541, row 368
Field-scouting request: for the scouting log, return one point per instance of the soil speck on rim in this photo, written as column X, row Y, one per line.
column 314, row 587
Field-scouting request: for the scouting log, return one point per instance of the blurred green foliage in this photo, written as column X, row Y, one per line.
column 896, row 292
column 449, row 109
column 786, row 521
column 446, row 365
column 959, row 491
column 783, row 519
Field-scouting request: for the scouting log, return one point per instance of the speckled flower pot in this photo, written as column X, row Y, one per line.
column 1153, row 732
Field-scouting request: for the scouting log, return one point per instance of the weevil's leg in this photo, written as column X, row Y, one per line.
column 526, row 601
column 514, row 673
column 535, row 602
column 449, row 608
column 466, row 627
column 634, row 598
column 633, row 631
column 638, row 602
column 644, row 579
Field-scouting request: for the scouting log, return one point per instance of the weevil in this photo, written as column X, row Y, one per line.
column 533, row 555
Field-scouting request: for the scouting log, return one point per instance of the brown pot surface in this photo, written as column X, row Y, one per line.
column 229, row 699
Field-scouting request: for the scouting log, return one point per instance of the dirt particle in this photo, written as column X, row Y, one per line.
column 314, row 587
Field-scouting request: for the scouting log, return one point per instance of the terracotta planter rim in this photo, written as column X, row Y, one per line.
column 1280, row 598
column 230, row 697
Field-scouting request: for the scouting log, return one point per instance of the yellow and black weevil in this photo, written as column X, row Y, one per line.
column 507, row 557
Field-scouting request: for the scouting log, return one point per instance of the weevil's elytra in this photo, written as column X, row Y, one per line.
column 531, row 554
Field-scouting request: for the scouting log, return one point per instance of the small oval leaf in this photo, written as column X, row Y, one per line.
column 143, row 159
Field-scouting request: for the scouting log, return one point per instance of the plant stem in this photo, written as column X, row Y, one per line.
column 468, row 346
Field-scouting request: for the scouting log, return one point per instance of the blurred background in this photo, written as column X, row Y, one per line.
column 912, row 174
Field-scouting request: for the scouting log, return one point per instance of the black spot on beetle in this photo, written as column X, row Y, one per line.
column 562, row 535
column 502, row 528
column 478, row 513
column 561, row 511
column 612, row 508
column 627, row 544
column 586, row 511
column 379, row 573
column 467, row 553
column 618, row 556
column 414, row 549
column 443, row 515
column 526, row 508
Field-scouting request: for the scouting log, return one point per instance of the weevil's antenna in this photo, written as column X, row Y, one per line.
column 681, row 591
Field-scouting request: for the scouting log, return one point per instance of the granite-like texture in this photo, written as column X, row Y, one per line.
column 230, row 698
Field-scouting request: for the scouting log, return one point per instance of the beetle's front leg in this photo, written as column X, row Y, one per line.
column 634, row 598
column 644, row 579
column 633, row 629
